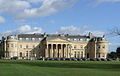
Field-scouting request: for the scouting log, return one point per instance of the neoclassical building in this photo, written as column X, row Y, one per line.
column 26, row 46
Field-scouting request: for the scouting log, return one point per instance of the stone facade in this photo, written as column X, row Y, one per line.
column 27, row 46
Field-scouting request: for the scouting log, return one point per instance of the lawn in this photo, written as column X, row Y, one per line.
column 58, row 68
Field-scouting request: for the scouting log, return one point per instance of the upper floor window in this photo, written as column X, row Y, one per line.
column 103, row 46
column 75, row 39
column 81, row 47
column 98, row 47
column 87, row 39
column 33, row 39
column 75, row 46
column 20, row 38
column 27, row 38
column 103, row 55
column 26, row 46
column 81, row 39
column 39, row 38
column 11, row 45
column 20, row 46
column 33, row 46
column 68, row 38
column 7, row 45
column 15, row 45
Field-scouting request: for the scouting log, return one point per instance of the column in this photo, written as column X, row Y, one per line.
column 46, row 51
column 51, row 51
column 61, row 50
column 95, row 49
column 56, row 52
column 65, row 51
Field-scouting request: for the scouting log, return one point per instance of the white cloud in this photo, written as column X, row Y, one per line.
column 13, row 6
column 108, row 0
column 47, row 8
column 72, row 29
column 2, row 20
column 96, row 33
column 26, row 29
column 97, row 2
column 77, row 30
column 27, row 8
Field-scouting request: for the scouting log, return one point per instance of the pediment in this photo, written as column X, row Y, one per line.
column 58, row 40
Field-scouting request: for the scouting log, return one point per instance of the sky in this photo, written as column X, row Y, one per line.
column 61, row 16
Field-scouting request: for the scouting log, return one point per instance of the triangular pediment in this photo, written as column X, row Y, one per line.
column 59, row 40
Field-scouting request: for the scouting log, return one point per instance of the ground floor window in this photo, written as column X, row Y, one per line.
column 11, row 54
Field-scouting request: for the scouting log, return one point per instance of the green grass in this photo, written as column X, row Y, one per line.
column 58, row 68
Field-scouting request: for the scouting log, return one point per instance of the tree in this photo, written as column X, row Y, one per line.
column 1, row 51
column 118, row 52
column 112, row 55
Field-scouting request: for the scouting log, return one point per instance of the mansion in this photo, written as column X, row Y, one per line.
column 27, row 46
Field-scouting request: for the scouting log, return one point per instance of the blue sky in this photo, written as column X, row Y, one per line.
column 61, row 16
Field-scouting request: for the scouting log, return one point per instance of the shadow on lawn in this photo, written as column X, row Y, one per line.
column 93, row 65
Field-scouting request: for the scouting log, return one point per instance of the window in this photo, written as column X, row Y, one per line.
column 27, row 53
column 8, row 45
column 81, row 47
column 75, row 39
column 11, row 45
column 75, row 46
column 39, row 46
column 11, row 54
column 75, row 54
column 20, row 38
column 81, row 39
column 39, row 38
column 103, row 46
column 33, row 46
column 26, row 46
column 20, row 46
column 15, row 45
column 15, row 53
column 33, row 39
column 81, row 54
column 78, row 55
column 87, row 39
column 27, row 38
column 68, row 38
column 98, row 46
column 103, row 55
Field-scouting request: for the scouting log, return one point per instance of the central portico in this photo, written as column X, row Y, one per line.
column 58, row 48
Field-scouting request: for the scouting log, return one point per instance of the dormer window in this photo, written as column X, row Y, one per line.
column 33, row 39
column 81, row 39
column 68, row 38
column 75, row 39
column 20, row 38
column 27, row 38
column 87, row 39
column 39, row 38
column 103, row 46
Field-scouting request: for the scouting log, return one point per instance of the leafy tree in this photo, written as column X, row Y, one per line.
column 118, row 52
column 112, row 55
column 1, row 51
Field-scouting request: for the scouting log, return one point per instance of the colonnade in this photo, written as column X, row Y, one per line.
column 58, row 51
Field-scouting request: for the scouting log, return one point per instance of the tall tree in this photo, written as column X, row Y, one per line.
column 118, row 52
column 112, row 55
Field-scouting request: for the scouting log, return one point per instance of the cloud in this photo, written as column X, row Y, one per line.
column 77, row 30
column 96, row 33
column 2, row 20
column 48, row 7
column 13, row 6
column 98, row 2
column 26, row 29
column 72, row 29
